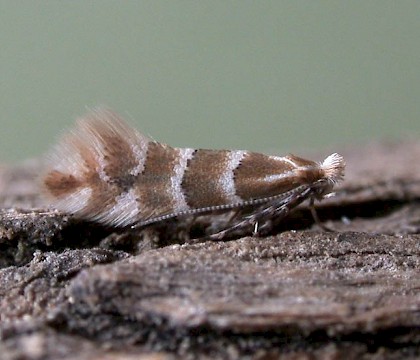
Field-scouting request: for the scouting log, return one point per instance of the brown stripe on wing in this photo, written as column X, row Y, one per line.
column 202, row 183
column 102, row 199
column 62, row 180
column 114, row 147
column 103, row 194
column 60, row 184
column 153, row 186
column 252, row 175
column 106, row 145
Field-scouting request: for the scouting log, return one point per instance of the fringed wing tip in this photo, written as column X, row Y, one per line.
column 100, row 122
column 100, row 140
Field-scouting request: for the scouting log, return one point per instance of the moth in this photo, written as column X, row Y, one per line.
column 108, row 172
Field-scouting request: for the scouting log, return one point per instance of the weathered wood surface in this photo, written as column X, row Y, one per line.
column 74, row 290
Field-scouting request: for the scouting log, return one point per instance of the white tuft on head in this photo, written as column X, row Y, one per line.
column 333, row 167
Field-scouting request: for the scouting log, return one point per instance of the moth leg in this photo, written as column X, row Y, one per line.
column 255, row 231
column 276, row 209
column 252, row 222
column 269, row 218
column 244, row 224
column 234, row 215
column 316, row 217
column 188, row 225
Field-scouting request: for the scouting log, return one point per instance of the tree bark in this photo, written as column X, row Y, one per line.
column 73, row 289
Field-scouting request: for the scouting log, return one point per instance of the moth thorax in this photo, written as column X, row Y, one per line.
column 309, row 175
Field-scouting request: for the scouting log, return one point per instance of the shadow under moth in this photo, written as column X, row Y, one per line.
column 108, row 172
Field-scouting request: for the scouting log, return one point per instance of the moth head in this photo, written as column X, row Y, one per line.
column 332, row 169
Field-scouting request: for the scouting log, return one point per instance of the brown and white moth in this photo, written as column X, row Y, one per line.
column 108, row 172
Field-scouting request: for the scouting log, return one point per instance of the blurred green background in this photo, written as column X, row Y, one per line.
column 260, row 75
